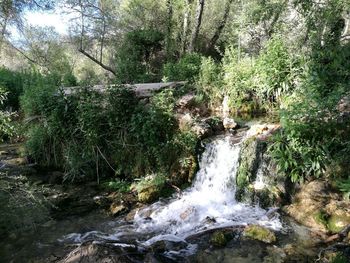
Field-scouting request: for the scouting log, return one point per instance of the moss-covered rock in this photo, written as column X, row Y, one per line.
column 218, row 239
column 248, row 165
column 316, row 205
column 183, row 171
column 148, row 194
column 150, row 188
column 260, row 233
column 337, row 222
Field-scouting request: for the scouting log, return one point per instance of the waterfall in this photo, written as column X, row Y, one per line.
column 208, row 204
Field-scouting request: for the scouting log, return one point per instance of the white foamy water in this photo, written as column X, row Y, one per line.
column 209, row 203
column 260, row 183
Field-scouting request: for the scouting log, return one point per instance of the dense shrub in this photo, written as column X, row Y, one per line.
column 209, row 83
column 315, row 134
column 138, row 57
column 89, row 134
column 186, row 69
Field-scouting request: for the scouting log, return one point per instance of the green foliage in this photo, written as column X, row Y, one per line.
column 263, row 80
column 117, row 185
column 339, row 258
column 298, row 157
column 11, row 83
column 276, row 71
column 239, row 78
column 344, row 186
column 7, row 128
column 137, row 60
column 209, row 84
column 186, row 69
column 154, row 180
column 89, row 134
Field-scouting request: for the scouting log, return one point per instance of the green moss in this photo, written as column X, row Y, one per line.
column 218, row 239
column 259, row 233
column 151, row 188
column 321, row 217
column 336, row 223
column 248, row 165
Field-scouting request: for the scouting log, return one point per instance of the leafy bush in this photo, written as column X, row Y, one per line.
column 239, row 78
column 186, row 69
column 277, row 72
column 344, row 186
column 89, row 134
column 210, row 84
column 137, row 58
column 298, row 157
column 315, row 133
column 11, row 83
column 117, row 185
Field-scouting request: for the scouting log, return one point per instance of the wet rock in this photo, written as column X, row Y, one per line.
column 218, row 239
column 16, row 161
column 248, row 165
column 102, row 201
column 166, row 245
column 202, row 129
column 148, row 194
column 117, row 209
column 317, row 206
column 183, row 170
column 106, row 253
column 186, row 101
column 260, row 233
column 215, row 123
column 263, row 131
column 229, row 123
column 185, row 121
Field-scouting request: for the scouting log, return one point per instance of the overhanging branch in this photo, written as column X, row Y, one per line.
column 102, row 65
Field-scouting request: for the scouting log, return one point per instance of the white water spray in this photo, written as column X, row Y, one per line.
column 210, row 202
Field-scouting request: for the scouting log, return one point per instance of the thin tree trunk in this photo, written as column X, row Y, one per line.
column 169, row 26
column 221, row 25
column 3, row 31
column 197, row 26
column 82, row 50
column 185, row 26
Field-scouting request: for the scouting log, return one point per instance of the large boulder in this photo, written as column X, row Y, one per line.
column 260, row 233
column 229, row 123
column 218, row 239
column 319, row 207
column 249, row 160
column 183, row 171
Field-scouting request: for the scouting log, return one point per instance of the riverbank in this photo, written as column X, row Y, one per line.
column 86, row 211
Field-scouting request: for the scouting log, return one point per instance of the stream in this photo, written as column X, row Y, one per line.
column 181, row 225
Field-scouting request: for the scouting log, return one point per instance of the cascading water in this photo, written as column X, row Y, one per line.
column 210, row 203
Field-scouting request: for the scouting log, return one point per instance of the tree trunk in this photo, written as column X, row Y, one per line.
column 197, row 26
column 185, row 26
column 221, row 25
column 169, row 27
column 3, row 31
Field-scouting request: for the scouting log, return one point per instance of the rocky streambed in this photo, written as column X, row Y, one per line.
column 209, row 222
